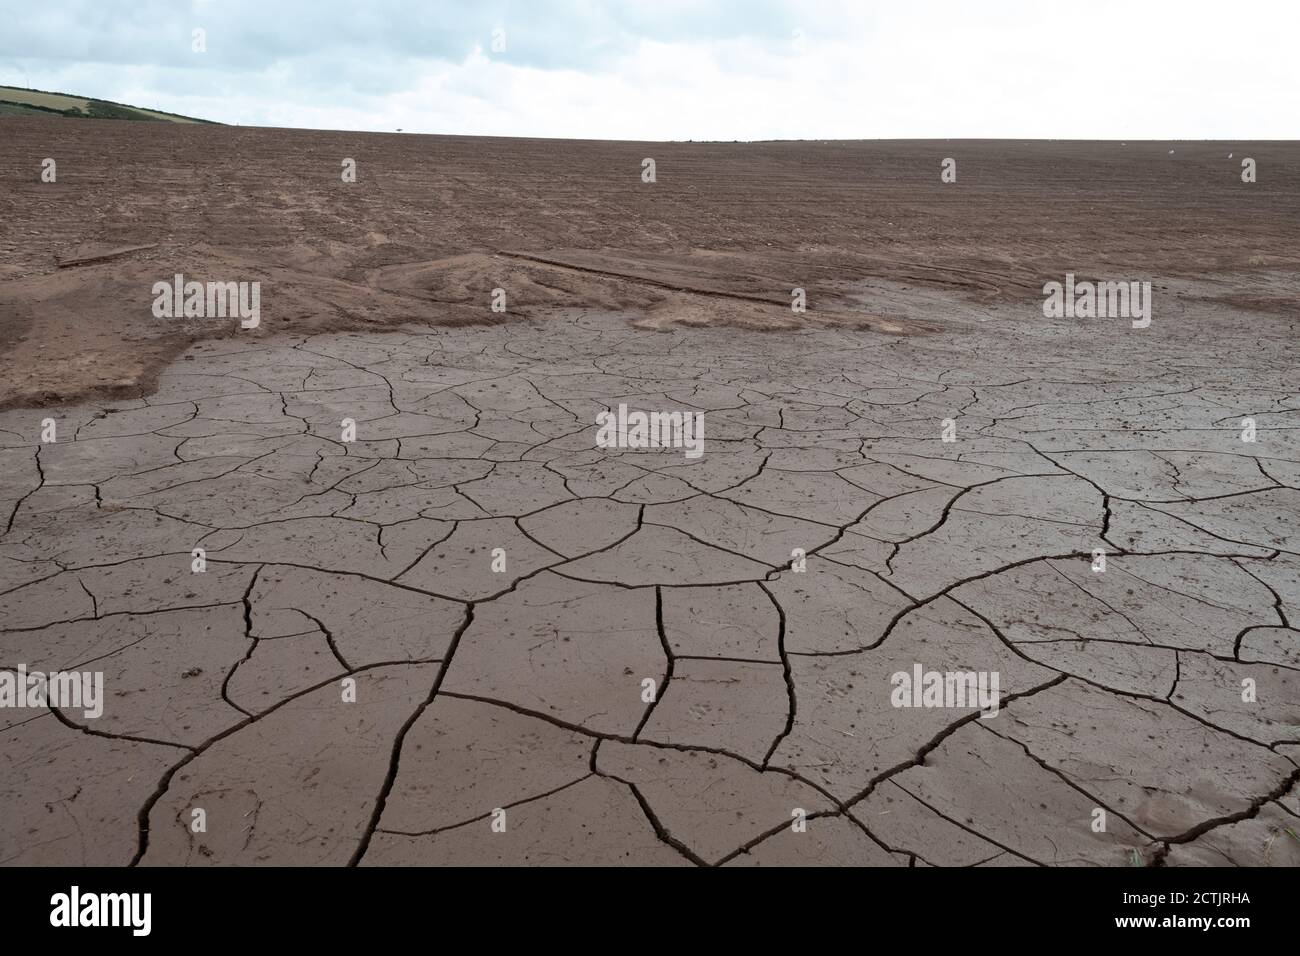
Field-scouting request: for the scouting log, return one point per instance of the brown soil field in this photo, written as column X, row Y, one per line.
column 375, row 583
column 434, row 223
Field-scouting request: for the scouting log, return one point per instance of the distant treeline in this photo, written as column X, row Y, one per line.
column 94, row 109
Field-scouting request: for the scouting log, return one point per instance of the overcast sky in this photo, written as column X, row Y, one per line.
column 670, row 69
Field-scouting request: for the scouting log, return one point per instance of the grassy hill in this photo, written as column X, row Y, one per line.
column 16, row 101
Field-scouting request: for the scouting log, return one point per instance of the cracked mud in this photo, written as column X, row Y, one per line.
column 518, row 695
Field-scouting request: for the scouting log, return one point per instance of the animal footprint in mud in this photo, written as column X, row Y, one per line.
column 700, row 711
column 835, row 688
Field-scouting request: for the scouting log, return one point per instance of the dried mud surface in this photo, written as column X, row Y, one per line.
column 521, row 690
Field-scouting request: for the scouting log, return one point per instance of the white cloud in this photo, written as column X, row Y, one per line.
column 918, row 69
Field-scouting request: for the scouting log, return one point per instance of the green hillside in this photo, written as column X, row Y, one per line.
column 16, row 101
